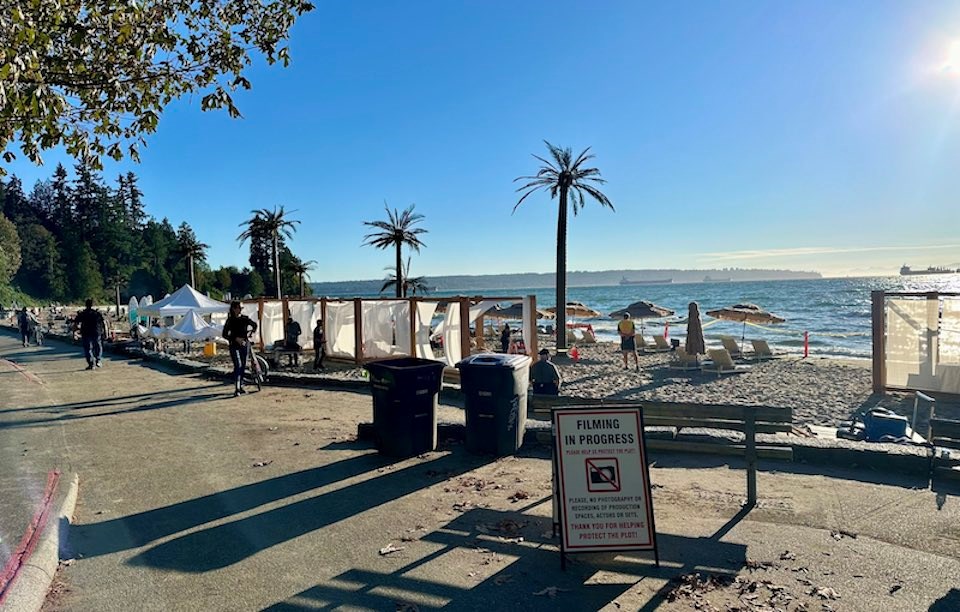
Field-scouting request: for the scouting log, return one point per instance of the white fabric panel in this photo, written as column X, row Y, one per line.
column 911, row 343
column 385, row 328
column 475, row 311
column 252, row 310
column 451, row 334
column 271, row 325
column 302, row 313
column 529, row 323
column 425, row 312
column 340, row 329
column 948, row 345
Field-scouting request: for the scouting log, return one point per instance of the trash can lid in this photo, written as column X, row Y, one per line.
column 496, row 360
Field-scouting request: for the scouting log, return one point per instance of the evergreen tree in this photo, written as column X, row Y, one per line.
column 15, row 206
column 84, row 275
column 255, row 286
column 42, row 272
column 9, row 249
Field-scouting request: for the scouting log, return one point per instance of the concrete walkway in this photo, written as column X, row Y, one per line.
column 190, row 499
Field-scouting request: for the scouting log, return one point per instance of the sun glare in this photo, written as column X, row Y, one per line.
column 952, row 65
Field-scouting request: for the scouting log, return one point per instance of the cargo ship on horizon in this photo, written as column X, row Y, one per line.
column 905, row 270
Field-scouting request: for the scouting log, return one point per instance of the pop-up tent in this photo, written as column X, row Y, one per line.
column 184, row 300
column 193, row 327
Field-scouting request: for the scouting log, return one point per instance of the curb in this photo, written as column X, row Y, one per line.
column 29, row 589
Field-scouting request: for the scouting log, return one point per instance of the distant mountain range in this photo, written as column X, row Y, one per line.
column 532, row 280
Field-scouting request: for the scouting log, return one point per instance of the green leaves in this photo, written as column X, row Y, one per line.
column 95, row 76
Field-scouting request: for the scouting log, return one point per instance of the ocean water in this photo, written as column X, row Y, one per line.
column 835, row 312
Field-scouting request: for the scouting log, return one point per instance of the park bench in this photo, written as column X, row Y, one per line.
column 749, row 420
column 944, row 434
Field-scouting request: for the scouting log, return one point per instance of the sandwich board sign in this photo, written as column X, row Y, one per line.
column 602, row 481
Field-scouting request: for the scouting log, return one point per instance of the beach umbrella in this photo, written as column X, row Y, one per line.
column 642, row 310
column 745, row 313
column 515, row 311
column 577, row 309
column 695, row 344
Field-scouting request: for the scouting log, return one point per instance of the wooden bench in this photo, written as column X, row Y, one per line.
column 943, row 433
column 749, row 420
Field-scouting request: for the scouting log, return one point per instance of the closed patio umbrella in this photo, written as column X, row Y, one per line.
column 515, row 311
column 643, row 310
column 745, row 313
column 695, row 344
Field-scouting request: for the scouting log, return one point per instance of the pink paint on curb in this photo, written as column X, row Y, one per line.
column 25, row 373
column 30, row 538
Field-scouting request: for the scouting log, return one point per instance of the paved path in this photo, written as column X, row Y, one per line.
column 193, row 500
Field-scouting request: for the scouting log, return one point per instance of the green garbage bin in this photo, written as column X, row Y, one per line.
column 405, row 404
column 495, row 401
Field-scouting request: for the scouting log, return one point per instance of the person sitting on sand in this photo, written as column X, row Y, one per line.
column 628, row 343
column 545, row 375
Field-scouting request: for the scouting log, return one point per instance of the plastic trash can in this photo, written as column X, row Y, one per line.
column 405, row 404
column 495, row 392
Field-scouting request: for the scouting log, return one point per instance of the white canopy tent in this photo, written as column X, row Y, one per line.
column 184, row 300
column 193, row 327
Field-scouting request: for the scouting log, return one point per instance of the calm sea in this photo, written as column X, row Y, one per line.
column 836, row 312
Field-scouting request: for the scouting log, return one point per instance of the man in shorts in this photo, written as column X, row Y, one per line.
column 628, row 344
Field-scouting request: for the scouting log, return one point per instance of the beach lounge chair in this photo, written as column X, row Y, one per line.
column 661, row 344
column 761, row 350
column 722, row 363
column 683, row 361
column 731, row 346
column 572, row 337
column 588, row 337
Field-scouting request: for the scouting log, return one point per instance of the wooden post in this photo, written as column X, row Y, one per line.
column 414, row 302
column 479, row 331
column 750, row 433
column 878, row 317
column 323, row 317
column 358, row 330
column 464, row 328
column 533, row 342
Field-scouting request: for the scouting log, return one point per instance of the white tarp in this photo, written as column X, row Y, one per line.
column 911, row 343
column 386, row 328
column 192, row 327
column 948, row 357
column 475, row 311
column 182, row 301
column 452, row 334
column 424, row 315
column 340, row 329
column 271, row 323
column 306, row 314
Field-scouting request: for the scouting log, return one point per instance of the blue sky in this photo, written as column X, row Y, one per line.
column 813, row 135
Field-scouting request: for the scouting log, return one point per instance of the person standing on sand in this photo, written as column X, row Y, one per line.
column 628, row 343
column 319, row 346
column 235, row 330
column 505, row 338
column 93, row 331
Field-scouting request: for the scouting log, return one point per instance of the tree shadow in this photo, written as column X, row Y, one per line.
column 536, row 566
column 223, row 545
column 100, row 403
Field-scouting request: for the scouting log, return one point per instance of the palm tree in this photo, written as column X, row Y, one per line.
column 193, row 250
column 411, row 285
column 301, row 269
column 565, row 176
column 270, row 224
column 396, row 231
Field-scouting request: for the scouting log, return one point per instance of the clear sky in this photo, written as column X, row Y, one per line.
column 814, row 135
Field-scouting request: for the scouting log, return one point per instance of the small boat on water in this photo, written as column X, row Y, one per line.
column 905, row 270
column 710, row 279
column 659, row 281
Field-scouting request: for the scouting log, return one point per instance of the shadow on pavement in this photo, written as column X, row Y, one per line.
column 535, row 566
column 100, row 403
column 948, row 603
column 137, row 530
column 223, row 545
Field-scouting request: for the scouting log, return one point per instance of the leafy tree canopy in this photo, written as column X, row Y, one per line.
column 96, row 76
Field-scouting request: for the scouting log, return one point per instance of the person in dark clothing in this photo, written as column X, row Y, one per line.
column 505, row 338
column 291, row 339
column 236, row 330
column 319, row 346
column 93, row 330
column 545, row 375
column 23, row 322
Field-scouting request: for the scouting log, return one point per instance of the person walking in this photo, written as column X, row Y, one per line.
column 628, row 344
column 23, row 323
column 93, row 331
column 236, row 330
column 319, row 346
column 505, row 338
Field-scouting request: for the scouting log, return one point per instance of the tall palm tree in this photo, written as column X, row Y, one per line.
column 271, row 224
column 412, row 285
column 193, row 250
column 302, row 269
column 567, row 177
column 396, row 231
